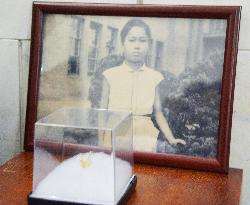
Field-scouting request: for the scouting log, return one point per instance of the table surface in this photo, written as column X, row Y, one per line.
column 156, row 185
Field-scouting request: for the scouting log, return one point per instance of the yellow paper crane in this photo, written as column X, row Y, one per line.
column 86, row 162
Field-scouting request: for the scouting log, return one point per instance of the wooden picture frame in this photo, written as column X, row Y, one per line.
column 210, row 28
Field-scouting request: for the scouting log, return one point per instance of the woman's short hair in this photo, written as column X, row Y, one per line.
column 134, row 23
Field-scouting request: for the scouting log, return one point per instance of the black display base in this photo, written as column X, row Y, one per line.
column 38, row 201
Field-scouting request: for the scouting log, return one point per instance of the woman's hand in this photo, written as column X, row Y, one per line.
column 163, row 124
column 176, row 141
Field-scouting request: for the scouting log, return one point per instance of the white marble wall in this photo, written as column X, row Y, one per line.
column 14, row 44
column 9, row 99
column 240, row 141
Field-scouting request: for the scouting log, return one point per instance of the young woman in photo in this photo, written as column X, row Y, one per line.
column 132, row 86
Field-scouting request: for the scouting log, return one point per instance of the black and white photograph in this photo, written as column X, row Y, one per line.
column 166, row 71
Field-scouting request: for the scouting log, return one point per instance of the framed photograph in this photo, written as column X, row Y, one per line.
column 173, row 67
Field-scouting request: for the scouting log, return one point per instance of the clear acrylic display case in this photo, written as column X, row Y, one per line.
column 83, row 156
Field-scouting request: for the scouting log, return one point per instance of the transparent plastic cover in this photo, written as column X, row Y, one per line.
column 83, row 155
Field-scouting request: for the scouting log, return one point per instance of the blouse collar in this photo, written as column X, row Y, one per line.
column 142, row 68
